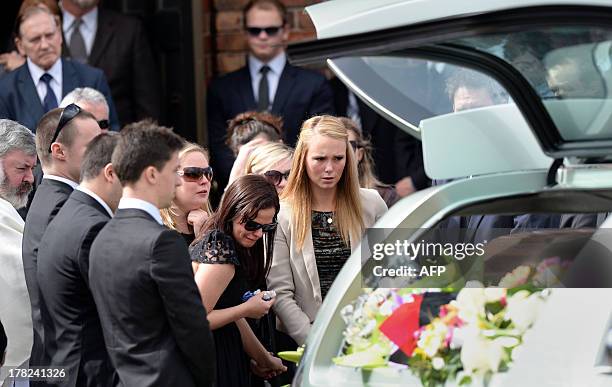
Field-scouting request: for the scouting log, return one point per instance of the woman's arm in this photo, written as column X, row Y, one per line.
column 256, row 351
column 280, row 280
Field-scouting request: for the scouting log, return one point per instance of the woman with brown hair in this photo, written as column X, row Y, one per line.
column 365, row 163
column 190, row 207
column 323, row 216
column 231, row 259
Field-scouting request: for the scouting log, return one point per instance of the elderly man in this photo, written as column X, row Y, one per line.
column 90, row 100
column 37, row 87
column 17, row 159
column 61, row 138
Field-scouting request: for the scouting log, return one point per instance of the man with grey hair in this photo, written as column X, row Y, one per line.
column 91, row 100
column 17, row 159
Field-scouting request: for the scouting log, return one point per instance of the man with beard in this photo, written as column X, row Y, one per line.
column 61, row 138
column 17, row 159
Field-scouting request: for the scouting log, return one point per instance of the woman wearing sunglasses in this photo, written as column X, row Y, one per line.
column 365, row 163
column 323, row 216
column 273, row 161
column 232, row 258
column 190, row 207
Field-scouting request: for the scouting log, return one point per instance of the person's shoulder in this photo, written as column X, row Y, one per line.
column 119, row 21
column 10, row 77
column 305, row 74
column 368, row 194
column 215, row 247
column 230, row 77
column 82, row 68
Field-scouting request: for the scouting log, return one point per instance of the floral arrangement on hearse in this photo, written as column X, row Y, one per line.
column 473, row 336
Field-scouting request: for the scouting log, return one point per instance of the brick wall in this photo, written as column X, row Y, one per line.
column 225, row 45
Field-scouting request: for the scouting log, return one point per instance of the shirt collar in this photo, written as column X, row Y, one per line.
column 140, row 204
column 36, row 72
column 97, row 198
column 277, row 64
column 62, row 179
column 89, row 20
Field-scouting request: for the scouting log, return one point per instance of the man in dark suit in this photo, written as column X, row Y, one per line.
column 118, row 45
column 60, row 156
column 140, row 274
column 267, row 83
column 73, row 335
column 39, row 85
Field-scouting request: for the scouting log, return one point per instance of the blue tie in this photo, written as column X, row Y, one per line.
column 50, row 101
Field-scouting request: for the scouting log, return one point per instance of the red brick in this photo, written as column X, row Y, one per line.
column 296, row 3
column 297, row 36
column 230, row 5
column 207, row 5
column 227, row 62
column 229, row 21
column 231, row 42
column 304, row 21
column 206, row 24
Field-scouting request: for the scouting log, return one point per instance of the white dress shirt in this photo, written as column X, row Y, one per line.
column 71, row 183
column 277, row 64
column 56, row 83
column 140, row 204
column 89, row 26
column 96, row 198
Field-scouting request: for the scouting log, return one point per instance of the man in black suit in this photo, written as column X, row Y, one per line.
column 116, row 44
column 73, row 335
column 140, row 274
column 61, row 138
column 267, row 83
column 39, row 85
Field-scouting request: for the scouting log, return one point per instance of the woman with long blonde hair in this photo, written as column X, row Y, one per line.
column 323, row 216
column 190, row 207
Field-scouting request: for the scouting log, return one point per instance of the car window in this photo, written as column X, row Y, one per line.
column 570, row 68
column 408, row 90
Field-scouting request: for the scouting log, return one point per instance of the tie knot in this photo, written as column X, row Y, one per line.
column 264, row 69
column 46, row 78
column 77, row 23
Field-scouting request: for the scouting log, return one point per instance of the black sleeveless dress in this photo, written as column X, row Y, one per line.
column 217, row 248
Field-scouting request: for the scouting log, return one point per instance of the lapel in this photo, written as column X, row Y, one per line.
column 311, row 266
column 70, row 77
column 28, row 89
column 283, row 91
column 245, row 89
column 104, row 35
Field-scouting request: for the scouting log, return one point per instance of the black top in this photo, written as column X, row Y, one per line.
column 216, row 247
column 330, row 250
column 188, row 238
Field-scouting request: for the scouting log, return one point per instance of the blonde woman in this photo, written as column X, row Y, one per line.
column 365, row 163
column 190, row 207
column 273, row 161
column 323, row 216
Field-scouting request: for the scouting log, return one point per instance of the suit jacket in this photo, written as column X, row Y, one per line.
column 300, row 95
column 121, row 49
column 294, row 275
column 152, row 316
column 15, row 311
column 49, row 198
column 73, row 335
column 19, row 100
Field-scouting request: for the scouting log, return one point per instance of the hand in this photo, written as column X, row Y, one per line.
column 196, row 219
column 269, row 367
column 404, row 186
column 242, row 158
column 257, row 307
column 11, row 60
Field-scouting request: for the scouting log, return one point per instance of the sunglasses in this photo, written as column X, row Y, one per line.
column 270, row 31
column 251, row 225
column 67, row 115
column 355, row 144
column 275, row 177
column 104, row 124
column 195, row 174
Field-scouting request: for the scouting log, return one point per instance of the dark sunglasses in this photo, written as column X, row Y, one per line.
column 67, row 115
column 251, row 225
column 355, row 144
column 104, row 124
column 195, row 174
column 275, row 177
column 270, row 31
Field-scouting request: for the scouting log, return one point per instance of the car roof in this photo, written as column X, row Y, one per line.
column 348, row 17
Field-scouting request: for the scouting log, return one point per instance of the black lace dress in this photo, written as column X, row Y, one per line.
column 217, row 248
